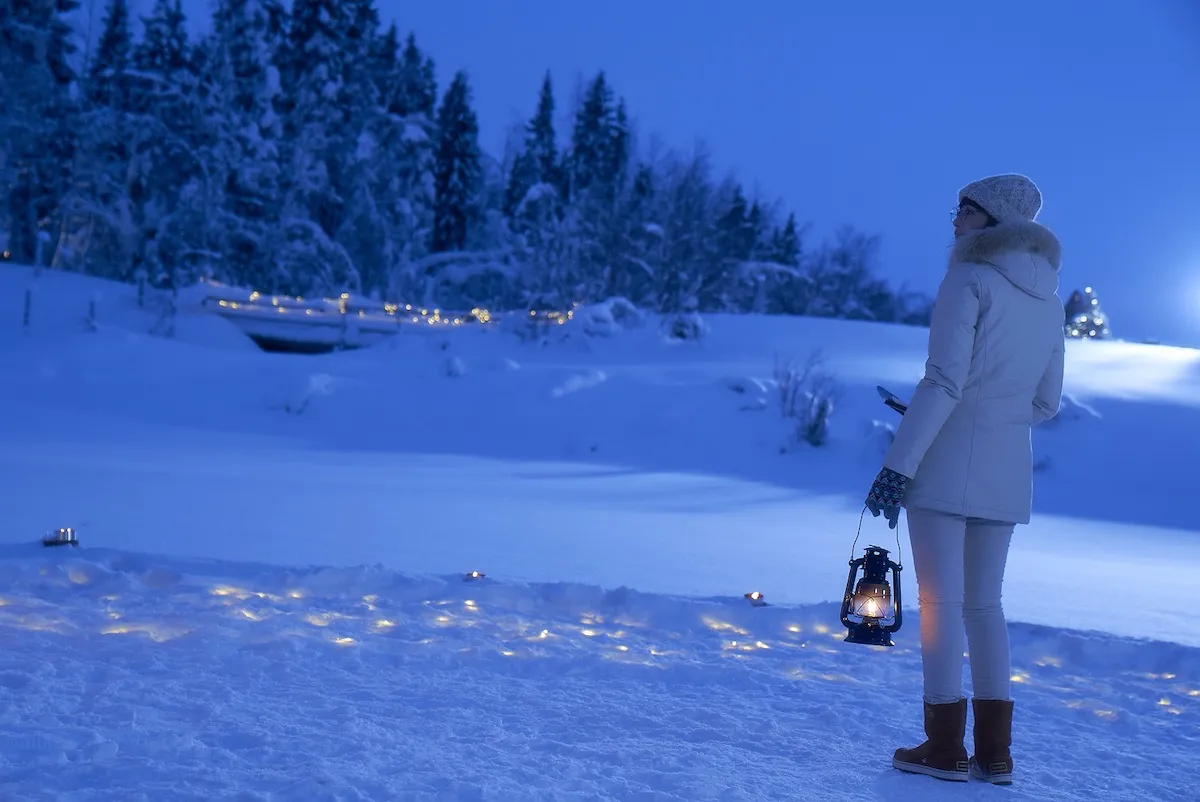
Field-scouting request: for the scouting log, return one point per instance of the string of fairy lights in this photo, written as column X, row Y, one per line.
column 344, row 305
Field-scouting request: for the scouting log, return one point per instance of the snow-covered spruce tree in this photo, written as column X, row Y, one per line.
column 363, row 232
column 317, row 132
column 38, row 123
column 771, row 278
column 1085, row 320
column 536, row 164
column 405, row 189
column 787, row 290
column 407, row 77
column 737, row 229
column 594, row 177
column 639, row 252
column 171, row 161
column 102, row 211
column 533, row 203
column 457, row 169
column 785, row 247
column 162, row 51
column 736, row 236
column 238, row 86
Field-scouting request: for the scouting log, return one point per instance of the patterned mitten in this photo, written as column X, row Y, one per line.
column 887, row 495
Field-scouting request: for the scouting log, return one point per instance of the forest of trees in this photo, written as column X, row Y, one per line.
column 305, row 148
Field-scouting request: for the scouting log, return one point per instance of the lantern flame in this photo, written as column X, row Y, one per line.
column 872, row 600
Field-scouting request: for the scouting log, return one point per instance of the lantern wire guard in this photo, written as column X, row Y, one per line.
column 869, row 631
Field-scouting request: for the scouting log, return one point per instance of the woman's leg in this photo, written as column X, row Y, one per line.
column 937, row 548
column 938, row 540
column 985, row 557
column 987, row 635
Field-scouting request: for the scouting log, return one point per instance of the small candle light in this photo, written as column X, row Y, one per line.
column 756, row 599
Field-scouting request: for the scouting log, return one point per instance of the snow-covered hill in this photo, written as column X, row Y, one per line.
column 268, row 603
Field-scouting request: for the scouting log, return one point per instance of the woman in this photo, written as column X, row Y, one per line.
column 961, row 463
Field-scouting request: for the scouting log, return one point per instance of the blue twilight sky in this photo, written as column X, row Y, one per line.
column 876, row 113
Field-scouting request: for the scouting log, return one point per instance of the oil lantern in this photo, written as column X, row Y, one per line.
column 871, row 609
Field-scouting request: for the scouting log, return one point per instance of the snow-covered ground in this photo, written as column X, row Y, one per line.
column 268, row 602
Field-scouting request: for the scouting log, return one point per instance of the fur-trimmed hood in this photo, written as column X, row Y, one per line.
column 1024, row 252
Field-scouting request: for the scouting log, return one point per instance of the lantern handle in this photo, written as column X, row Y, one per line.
column 858, row 534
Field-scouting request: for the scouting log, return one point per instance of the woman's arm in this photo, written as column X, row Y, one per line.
column 1048, row 397
column 951, row 341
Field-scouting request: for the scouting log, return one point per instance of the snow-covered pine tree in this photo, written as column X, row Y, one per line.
column 165, row 96
column 38, row 122
column 590, row 159
column 238, row 88
column 735, row 234
column 363, row 232
column 610, row 228
column 593, row 177
column 406, row 78
column 313, row 68
column 787, row 292
column 756, row 276
column 620, row 144
column 785, row 248
column 100, row 210
column 457, row 170
column 405, row 190
column 637, row 270
column 736, row 239
column 537, row 162
column 533, row 204
column 318, row 133
column 162, row 54
column 108, row 82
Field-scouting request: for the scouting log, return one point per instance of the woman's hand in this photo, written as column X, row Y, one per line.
column 887, row 495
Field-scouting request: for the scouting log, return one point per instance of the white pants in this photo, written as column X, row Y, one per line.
column 960, row 570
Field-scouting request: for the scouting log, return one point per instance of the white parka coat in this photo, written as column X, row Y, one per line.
column 995, row 369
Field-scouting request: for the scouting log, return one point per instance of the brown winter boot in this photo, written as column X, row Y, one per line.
column 942, row 755
column 992, row 761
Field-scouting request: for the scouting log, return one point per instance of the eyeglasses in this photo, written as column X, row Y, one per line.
column 963, row 211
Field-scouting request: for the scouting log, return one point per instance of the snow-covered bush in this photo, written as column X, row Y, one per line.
column 806, row 395
column 608, row 318
column 686, row 326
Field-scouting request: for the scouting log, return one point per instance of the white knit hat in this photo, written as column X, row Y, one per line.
column 1006, row 197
